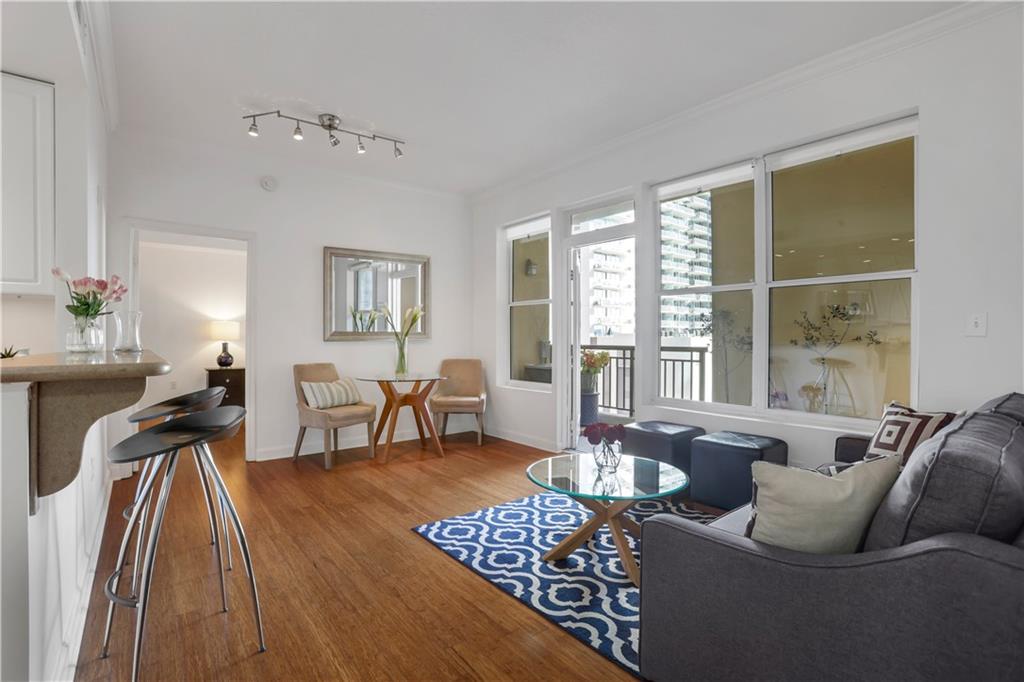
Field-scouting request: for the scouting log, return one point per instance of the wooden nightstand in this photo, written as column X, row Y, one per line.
column 232, row 379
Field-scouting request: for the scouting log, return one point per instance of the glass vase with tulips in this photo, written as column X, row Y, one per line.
column 410, row 320
column 90, row 298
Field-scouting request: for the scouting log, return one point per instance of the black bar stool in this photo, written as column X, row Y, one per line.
column 197, row 401
column 160, row 445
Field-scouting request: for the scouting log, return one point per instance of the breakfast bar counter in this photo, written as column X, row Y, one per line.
column 62, row 395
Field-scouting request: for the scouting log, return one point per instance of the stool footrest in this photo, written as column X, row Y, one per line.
column 108, row 589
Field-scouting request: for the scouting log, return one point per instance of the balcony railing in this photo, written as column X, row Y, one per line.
column 681, row 375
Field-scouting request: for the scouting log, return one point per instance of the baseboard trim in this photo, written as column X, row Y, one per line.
column 313, row 443
column 524, row 439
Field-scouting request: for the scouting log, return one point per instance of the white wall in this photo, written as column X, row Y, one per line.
column 28, row 322
column 39, row 41
column 159, row 182
column 965, row 84
column 181, row 289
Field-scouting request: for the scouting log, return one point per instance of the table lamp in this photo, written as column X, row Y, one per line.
column 224, row 331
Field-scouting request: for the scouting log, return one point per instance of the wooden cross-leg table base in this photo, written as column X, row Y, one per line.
column 417, row 400
column 611, row 515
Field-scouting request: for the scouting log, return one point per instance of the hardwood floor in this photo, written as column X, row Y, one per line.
column 348, row 591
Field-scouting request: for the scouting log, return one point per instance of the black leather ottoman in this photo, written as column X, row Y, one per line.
column 663, row 441
column 720, row 473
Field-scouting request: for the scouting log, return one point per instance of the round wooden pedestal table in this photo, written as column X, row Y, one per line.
column 416, row 398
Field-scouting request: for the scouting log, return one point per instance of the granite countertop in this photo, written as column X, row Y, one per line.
column 82, row 366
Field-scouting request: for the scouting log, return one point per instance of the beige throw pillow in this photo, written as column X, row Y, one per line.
column 811, row 512
column 324, row 394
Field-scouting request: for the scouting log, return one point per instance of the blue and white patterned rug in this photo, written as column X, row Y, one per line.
column 588, row 593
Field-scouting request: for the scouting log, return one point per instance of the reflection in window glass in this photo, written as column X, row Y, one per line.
column 847, row 214
column 706, row 347
column 530, row 276
column 622, row 213
column 707, row 238
column 530, row 343
column 840, row 349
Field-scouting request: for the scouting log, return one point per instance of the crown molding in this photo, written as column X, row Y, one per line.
column 96, row 45
column 872, row 49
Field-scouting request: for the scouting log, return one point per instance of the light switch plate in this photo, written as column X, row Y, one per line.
column 977, row 325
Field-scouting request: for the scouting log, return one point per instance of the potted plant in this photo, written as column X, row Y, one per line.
column 592, row 363
column 606, row 440
column 89, row 300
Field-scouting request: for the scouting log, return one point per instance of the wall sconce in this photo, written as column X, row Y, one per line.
column 531, row 268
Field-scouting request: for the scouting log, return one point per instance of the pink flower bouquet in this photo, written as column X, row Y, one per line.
column 90, row 296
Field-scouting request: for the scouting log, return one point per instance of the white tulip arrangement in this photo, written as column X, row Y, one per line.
column 410, row 319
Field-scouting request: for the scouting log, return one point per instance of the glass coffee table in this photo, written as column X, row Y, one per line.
column 607, row 493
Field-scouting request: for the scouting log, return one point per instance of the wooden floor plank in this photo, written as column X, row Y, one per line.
column 349, row 592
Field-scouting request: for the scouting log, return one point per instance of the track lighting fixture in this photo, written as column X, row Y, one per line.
column 332, row 124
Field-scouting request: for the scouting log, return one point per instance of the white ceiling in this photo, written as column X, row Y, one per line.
column 482, row 92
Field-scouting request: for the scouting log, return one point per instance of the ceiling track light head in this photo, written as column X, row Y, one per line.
column 333, row 140
column 398, row 151
column 253, row 128
column 329, row 121
column 297, row 133
column 360, row 147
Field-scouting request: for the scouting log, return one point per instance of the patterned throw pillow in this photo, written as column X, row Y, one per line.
column 902, row 428
column 321, row 395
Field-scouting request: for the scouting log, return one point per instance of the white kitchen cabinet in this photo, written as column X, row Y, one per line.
column 26, row 255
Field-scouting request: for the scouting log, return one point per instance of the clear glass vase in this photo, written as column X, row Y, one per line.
column 129, row 331
column 401, row 368
column 607, row 456
column 85, row 336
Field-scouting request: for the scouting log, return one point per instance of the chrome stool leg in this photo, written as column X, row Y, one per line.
column 201, row 470
column 147, row 568
column 240, row 534
column 209, row 500
column 227, row 535
column 115, row 578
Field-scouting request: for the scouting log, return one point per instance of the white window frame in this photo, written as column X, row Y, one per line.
column 763, row 166
column 531, row 227
column 676, row 189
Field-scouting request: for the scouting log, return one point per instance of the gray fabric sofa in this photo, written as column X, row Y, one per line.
column 939, row 596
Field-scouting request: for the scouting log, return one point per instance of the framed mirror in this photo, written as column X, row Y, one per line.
column 359, row 284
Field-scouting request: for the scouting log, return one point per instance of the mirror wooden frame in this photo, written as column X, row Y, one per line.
column 330, row 252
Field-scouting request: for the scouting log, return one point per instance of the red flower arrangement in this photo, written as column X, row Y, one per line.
column 599, row 432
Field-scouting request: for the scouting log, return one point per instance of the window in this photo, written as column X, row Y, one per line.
column 707, row 280
column 530, row 301
column 830, row 287
column 842, row 347
column 622, row 213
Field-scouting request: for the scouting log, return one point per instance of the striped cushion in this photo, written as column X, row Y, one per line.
column 902, row 428
column 321, row 395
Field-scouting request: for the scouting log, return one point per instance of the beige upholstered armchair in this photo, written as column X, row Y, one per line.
column 462, row 392
column 332, row 418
